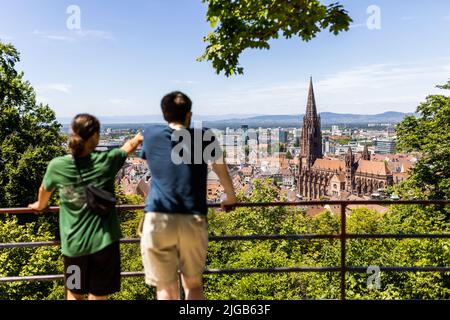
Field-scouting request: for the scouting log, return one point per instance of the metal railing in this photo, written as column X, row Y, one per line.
column 343, row 236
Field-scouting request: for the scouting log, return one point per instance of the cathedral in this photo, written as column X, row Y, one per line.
column 330, row 178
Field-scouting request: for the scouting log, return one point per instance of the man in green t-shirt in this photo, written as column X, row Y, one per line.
column 89, row 241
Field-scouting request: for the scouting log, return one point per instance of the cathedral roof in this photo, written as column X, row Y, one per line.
column 362, row 166
column 374, row 167
column 327, row 164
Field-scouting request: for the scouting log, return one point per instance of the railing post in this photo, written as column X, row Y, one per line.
column 343, row 237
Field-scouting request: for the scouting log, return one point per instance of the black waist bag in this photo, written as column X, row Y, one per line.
column 99, row 201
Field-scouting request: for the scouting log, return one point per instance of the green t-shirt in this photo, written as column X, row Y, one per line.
column 82, row 231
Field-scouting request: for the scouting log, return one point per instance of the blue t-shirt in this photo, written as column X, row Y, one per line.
column 178, row 161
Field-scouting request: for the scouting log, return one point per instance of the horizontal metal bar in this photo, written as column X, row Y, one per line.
column 33, row 278
column 59, row 277
column 129, row 274
column 263, row 204
column 337, row 202
column 130, row 241
column 28, row 244
column 398, row 236
column 261, row 237
column 36, row 244
column 274, row 237
column 402, row 269
column 326, row 269
column 333, row 236
column 14, row 245
column 272, row 270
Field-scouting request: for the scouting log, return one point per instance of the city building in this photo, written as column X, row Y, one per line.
column 385, row 146
column 320, row 177
column 335, row 131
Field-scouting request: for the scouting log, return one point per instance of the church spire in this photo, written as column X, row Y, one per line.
column 311, row 131
column 349, row 158
column 365, row 153
column 311, row 110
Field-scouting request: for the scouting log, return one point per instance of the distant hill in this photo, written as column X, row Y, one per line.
column 327, row 118
column 156, row 118
column 233, row 120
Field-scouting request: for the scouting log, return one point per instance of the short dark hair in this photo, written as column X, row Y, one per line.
column 175, row 106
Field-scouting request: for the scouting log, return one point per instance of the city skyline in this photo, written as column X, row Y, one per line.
column 125, row 58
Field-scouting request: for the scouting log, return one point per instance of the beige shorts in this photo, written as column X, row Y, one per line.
column 172, row 242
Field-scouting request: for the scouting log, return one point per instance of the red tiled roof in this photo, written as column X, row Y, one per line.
column 399, row 176
column 329, row 164
column 313, row 211
column 407, row 166
column 374, row 167
column 363, row 166
column 247, row 171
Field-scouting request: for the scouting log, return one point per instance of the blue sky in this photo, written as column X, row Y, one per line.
column 128, row 54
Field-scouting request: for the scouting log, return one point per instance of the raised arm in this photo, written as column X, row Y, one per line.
column 131, row 145
column 43, row 198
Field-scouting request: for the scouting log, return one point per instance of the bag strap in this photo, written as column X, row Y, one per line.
column 78, row 168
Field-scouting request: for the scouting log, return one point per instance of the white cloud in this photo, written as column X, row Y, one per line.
column 366, row 89
column 119, row 101
column 48, row 92
column 95, row 34
column 186, row 82
column 357, row 25
column 54, row 87
column 75, row 35
column 379, row 76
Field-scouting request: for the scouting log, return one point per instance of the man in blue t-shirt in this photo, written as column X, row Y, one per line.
column 175, row 228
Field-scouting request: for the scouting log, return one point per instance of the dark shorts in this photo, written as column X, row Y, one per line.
column 97, row 273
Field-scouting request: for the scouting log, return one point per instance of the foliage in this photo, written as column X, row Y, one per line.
column 265, row 254
column 27, row 261
column 29, row 134
column 360, row 252
column 251, row 24
column 343, row 141
column 29, row 139
column 48, row 260
column 429, row 135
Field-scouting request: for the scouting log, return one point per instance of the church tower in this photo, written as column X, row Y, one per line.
column 349, row 170
column 311, row 133
column 365, row 153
